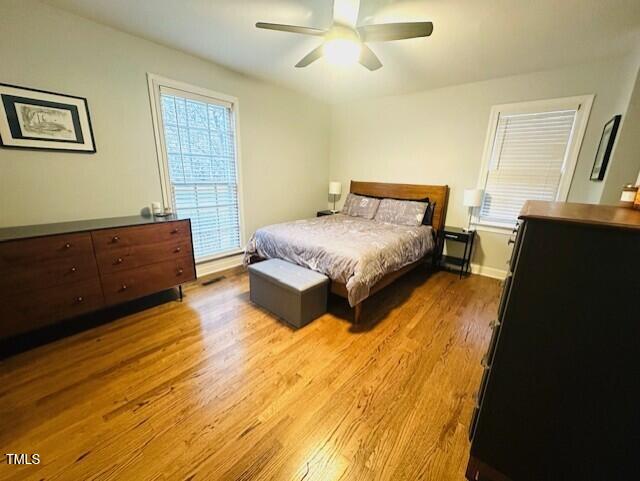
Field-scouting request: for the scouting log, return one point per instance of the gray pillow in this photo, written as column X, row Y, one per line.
column 360, row 206
column 403, row 212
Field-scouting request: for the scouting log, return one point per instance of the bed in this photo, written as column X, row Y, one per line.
column 360, row 256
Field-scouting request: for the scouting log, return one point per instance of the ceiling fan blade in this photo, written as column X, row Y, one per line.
column 291, row 28
column 311, row 57
column 369, row 59
column 394, row 31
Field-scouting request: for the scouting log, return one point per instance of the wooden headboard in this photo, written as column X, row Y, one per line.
column 438, row 194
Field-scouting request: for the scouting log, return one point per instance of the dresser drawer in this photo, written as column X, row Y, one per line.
column 110, row 240
column 118, row 260
column 40, row 307
column 49, row 273
column 31, row 252
column 487, row 359
column 133, row 283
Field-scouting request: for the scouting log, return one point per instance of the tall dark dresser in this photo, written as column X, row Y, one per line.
column 560, row 393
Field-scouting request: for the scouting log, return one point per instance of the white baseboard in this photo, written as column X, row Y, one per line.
column 211, row 267
column 488, row 271
column 218, row 265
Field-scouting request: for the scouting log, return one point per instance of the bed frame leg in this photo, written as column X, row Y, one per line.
column 357, row 312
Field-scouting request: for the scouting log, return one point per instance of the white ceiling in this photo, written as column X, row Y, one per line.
column 472, row 39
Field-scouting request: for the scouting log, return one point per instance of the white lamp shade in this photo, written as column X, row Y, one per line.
column 473, row 197
column 335, row 188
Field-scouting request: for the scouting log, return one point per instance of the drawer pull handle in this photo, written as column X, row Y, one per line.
column 451, row 236
column 124, row 287
column 73, row 269
column 180, row 271
column 119, row 260
column 511, row 241
column 485, row 361
column 67, row 245
column 79, row 299
column 175, row 231
column 178, row 249
column 115, row 238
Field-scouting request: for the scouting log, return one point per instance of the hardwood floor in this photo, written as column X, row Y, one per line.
column 214, row 388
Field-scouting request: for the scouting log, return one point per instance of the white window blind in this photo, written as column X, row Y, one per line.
column 199, row 135
column 527, row 162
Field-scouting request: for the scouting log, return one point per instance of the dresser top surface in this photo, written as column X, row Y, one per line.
column 588, row 214
column 42, row 230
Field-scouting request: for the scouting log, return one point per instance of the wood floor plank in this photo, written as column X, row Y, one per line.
column 217, row 388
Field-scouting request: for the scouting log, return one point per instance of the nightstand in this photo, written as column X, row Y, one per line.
column 456, row 234
column 320, row 213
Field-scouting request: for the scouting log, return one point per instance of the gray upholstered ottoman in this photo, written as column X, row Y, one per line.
column 291, row 292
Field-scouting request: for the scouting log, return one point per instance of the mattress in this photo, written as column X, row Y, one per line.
column 354, row 251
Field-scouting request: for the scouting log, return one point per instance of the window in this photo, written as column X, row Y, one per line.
column 530, row 155
column 199, row 165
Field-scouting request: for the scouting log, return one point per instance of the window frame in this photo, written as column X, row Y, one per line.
column 155, row 82
column 583, row 103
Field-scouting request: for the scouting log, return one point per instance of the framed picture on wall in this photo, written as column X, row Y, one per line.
column 36, row 119
column 605, row 147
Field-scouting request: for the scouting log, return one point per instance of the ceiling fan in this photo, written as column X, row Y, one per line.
column 345, row 43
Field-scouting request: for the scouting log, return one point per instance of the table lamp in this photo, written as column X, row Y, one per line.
column 335, row 189
column 472, row 199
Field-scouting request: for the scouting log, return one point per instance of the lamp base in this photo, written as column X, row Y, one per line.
column 468, row 228
column 333, row 211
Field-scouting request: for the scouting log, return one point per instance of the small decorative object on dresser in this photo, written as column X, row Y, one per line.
column 335, row 189
column 58, row 271
column 628, row 197
column 156, row 208
column 456, row 234
column 36, row 119
column 321, row 213
column 605, row 147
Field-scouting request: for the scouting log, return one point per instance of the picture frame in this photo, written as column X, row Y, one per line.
column 607, row 140
column 42, row 120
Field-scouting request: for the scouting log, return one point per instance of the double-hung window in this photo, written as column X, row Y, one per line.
column 530, row 154
column 196, row 130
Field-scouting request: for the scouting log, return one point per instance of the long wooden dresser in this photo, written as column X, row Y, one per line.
column 58, row 271
column 560, row 394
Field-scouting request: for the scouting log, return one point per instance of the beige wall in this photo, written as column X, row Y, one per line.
column 284, row 135
column 624, row 165
column 437, row 136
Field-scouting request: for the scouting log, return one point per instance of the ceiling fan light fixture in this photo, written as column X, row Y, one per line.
column 342, row 51
column 345, row 42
